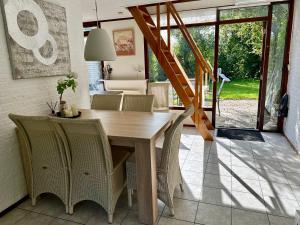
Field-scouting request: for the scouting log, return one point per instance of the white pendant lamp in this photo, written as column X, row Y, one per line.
column 99, row 46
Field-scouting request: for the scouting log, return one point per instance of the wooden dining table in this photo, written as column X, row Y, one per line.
column 139, row 130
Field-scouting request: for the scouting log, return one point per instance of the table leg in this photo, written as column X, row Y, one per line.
column 145, row 154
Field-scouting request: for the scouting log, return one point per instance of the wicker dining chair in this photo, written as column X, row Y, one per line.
column 168, row 170
column 160, row 90
column 138, row 103
column 47, row 164
column 106, row 102
column 97, row 172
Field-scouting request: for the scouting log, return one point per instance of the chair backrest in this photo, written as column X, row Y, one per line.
column 170, row 150
column 46, row 152
column 161, row 94
column 138, row 103
column 87, row 145
column 106, row 102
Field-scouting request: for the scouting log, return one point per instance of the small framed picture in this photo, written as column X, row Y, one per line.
column 124, row 42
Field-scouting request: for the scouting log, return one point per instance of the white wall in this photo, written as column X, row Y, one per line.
column 123, row 67
column 292, row 124
column 30, row 97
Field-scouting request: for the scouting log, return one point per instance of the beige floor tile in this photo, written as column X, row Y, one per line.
column 244, row 152
column 243, row 161
column 296, row 191
column 221, row 197
column 197, row 156
column 131, row 219
column 224, row 159
column 184, row 210
column 34, row 219
column 292, row 167
column 47, row 204
column 248, row 201
column 272, row 176
column 293, row 178
column 100, row 218
column 204, row 149
column 246, row 185
column 242, row 217
column 213, row 215
column 243, row 145
column 13, row 217
column 63, row 222
column 276, row 190
column 281, row 207
column 219, row 150
column 268, row 165
column 276, row 220
column 218, row 169
column 124, row 204
column 183, row 154
column 191, row 192
column 192, row 177
column 217, row 181
column 169, row 221
column 245, row 172
column 193, row 165
column 83, row 211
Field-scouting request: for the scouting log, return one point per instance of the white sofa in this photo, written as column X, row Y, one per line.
column 138, row 87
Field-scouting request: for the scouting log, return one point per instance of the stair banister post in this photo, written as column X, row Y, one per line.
column 201, row 72
column 168, row 26
column 158, row 30
column 196, row 98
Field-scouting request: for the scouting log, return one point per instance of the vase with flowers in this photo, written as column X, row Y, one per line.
column 70, row 81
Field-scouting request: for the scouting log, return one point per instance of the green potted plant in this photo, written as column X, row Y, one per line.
column 63, row 84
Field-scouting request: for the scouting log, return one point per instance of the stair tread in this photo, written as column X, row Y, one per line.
column 144, row 13
column 166, row 50
column 174, row 70
column 150, row 25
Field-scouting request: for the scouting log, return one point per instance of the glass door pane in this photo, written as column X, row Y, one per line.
column 274, row 79
column 204, row 37
column 239, row 63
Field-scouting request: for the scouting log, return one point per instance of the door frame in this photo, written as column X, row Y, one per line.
column 267, row 26
column 264, row 20
column 285, row 64
column 267, row 20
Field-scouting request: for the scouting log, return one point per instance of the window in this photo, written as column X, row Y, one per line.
column 204, row 37
column 190, row 17
column 95, row 75
column 241, row 13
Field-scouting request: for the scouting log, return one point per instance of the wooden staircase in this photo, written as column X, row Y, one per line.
column 188, row 94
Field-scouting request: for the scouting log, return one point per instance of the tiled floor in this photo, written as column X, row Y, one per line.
column 226, row 183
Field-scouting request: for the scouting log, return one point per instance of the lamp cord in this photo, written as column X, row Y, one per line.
column 98, row 23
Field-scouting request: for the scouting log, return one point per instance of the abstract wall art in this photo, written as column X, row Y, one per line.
column 124, row 42
column 37, row 38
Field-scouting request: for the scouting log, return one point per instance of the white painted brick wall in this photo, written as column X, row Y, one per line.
column 30, row 97
column 292, row 124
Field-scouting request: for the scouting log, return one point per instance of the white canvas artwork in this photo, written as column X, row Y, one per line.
column 37, row 38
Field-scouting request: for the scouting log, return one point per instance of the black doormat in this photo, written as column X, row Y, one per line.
column 238, row 134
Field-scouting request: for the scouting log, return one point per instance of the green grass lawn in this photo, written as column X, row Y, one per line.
column 240, row 89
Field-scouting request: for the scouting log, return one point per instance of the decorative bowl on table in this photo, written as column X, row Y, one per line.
column 59, row 114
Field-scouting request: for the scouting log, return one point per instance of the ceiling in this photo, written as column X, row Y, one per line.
column 109, row 9
column 115, row 9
